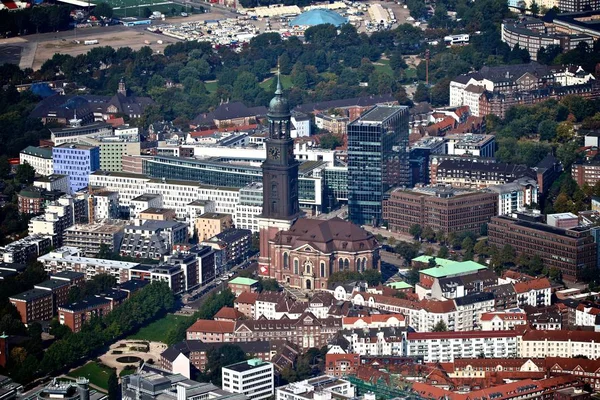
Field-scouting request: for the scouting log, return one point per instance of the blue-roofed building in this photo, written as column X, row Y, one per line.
column 318, row 17
column 42, row 89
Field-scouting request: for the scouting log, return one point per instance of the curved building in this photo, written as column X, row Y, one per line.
column 318, row 17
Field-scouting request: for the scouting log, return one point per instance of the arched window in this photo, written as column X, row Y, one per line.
column 307, row 268
column 296, row 265
column 341, row 264
column 322, row 269
column 286, row 261
column 346, row 264
column 364, row 264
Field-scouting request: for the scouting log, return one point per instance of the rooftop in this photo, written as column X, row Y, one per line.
column 43, row 152
column 243, row 281
column 378, row 114
column 85, row 304
column 448, row 267
column 31, row 295
column 247, row 365
column 51, row 284
column 75, row 146
column 111, row 228
column 146, row 196
column 156, row 210
column 67, row 275
column 213, row 215
column 50, row 178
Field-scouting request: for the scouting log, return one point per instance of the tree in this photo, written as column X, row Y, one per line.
column 483, row 229
column 431, row 263
column 507, row 255
column 330, row 141
column 146, row 12
column 440, row 326
column 534, row 8
column 103, row 10
column 270, row 285
column 415, row 230
column 481, row 247
column 467, row 244
column 372, row 276
column 25, row 174
column 113, row 387
column 428, row 234
column 421, row 94
column 547, row 130
column 443, row 252
column 220, row 357
column 4, row 167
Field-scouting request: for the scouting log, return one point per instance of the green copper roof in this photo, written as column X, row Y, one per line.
column 43, row 152
column 399, row 285
column 243, row 281
column 448, row 267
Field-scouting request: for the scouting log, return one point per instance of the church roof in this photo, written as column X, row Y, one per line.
column 327, row 236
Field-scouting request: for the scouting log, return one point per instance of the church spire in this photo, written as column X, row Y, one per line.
column 279, row 90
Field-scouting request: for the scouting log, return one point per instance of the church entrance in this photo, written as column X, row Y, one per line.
column 308, row 284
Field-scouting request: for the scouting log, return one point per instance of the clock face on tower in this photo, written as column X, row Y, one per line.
column 274, row 153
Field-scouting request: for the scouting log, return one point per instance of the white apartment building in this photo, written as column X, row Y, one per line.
column 502, row 320
column 447, row 346
column 469, row 309
column 535, row 292
column 516, row 195
column 254, row 378
column 105, row 205
column 70, row 259
column 322, row 387
column 374, row 321
column 195, row 209
column 58, row 216
column 266, row 304
column 376, row 342
column 560, row 343
column 300, row 125
column 144, row 202
column 40, row 158
column 585, row 315
column 176, row 195
column 422, row 316
column 53, row 182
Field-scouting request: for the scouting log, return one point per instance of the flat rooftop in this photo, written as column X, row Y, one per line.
column 75, row 146
column 87, row 260
column 378, row 114
column 51, row 284
column 448, row 267
column 97, row 228
column 213, row 215
column 243, row 281
column 146, row 197
column 158, row 211
column 50, row 178
column 247, row 365
column 31, row 295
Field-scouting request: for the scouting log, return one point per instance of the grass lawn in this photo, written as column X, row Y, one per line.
column 383, row 66
column 286, row 82
column 211, row 86
column 96, row 373
column 127, row 371
column 159, row 329
column 411, row 73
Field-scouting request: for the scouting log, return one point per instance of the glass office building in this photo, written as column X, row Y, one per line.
column 378, row 160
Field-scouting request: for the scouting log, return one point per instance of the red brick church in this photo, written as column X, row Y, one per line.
column 297, row 251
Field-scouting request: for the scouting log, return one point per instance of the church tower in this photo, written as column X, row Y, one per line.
column 122, row 88
column 280, row 179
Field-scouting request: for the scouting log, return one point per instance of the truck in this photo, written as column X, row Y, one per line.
column 89, row 42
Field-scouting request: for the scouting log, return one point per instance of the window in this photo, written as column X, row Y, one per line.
column 322, row 269
column 341, row 264
column 346, row 264
column 296, row 265
column 286, row 261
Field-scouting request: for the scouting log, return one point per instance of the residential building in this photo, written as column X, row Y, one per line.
column 90, row 237
column 300, row 125
column 209, row 331
column 173, row 275
column 577, row 6
column 502, row 320
column 448, row 346
column 53, row 182
column 58, row 216
column 562, row 220
column 470, row 144
column 577, row 22
column 586, row 172
column 373, row 170
column 211, row 224
column 245, row 303
column 458, row 286
column 534, row 293
column 374, row 342
column 469, row 309
column 505, row 297
column 32, row 200
column 321, row 387
column 105, row 205
column 531, row 34
column 560, row 343
column 59, row 290
column 266, row 303
column 229, row 114
column 22, row 250
column 516, row 196
column 569, row 250
column 471, row 174
column 144, row 202
column 152, row 239
column 40, row 158
column 75, row 315
column 249, row 208
column 195, row 209
column 77, row 161
column 66, row 259
column 241, row 285
column 205, row 255
column 233, row 243
column 33, row 305
column 336, row 124
column 189, row 265
column 157, row 214
column 441, row 209
column 254, row 378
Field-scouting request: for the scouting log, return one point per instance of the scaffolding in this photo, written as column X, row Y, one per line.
column 382, row 389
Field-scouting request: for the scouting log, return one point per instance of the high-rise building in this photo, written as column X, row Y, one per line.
column 377, row 160
column 280, row 178
column 77, row 161
column 254, row 378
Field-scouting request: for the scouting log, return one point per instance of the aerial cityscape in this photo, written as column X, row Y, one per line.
column 299, row 200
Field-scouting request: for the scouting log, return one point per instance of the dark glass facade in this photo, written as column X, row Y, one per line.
column 377, row 161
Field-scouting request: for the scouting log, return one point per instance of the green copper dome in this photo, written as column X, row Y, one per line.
column 279, row 105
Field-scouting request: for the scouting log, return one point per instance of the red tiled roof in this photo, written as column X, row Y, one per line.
column 246, row 298
column 572, row 364
column 535, row 284
column 562, row 336
column 228, row 313
column 210, row 326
